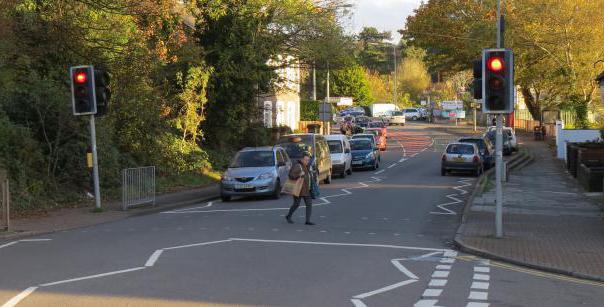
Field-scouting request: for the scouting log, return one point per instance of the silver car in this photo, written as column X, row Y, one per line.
column 256, row 171
column 462, row 157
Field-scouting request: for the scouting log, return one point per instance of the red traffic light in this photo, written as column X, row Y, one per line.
column 495, row 64
column 80, row 77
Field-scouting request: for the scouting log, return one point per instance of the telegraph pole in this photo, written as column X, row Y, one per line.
column 314, row 81
column 395, row 70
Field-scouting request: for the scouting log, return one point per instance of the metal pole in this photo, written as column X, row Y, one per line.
column 314, row 82
column 325, row 103
column 499, row 151
column 475, row 109
column 395, row 70
column 95, row 162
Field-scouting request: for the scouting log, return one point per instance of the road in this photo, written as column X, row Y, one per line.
column 383, row 238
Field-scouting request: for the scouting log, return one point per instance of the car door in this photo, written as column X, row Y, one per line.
column 347, row 155
column 282, row 168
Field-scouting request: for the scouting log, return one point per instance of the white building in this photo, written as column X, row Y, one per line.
column 281, row 107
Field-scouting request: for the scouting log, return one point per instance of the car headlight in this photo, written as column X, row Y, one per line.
column 266, row 176
column 227, row 177
column 369, row 155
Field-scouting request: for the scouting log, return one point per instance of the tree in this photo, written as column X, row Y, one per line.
column 352, row 82
column 380, row 87
column 412, row 78
column 374, row 53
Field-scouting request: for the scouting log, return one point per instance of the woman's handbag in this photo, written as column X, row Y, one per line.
column 294, row 186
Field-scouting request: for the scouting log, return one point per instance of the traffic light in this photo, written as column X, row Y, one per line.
column 477, row 82
column 498, row 81
column 82, row 90
column 102, row 90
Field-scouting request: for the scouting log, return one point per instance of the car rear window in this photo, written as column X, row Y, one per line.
column 335, row 146
column 295, row 150
column 460, row 149
column 360, row 144
column 478, row 142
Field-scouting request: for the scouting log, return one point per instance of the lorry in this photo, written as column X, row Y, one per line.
column 382, row 109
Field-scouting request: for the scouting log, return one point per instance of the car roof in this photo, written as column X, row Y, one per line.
column 364, row 134
column 335, row 137
column 471, row 138
column 261, row 148
column 461, row 143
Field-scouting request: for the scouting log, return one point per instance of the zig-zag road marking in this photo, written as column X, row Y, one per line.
column 464, row 183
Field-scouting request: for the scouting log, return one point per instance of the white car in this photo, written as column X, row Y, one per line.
column 341, row 158
column 413, row 114
column 510, row 132
column 397, row 118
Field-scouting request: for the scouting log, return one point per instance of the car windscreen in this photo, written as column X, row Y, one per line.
column 335, row 146
column 460, row 149
column 295, row 150
column 360, row 144
column 376, row 125
column 492, row 134
column 397, row 113
column 253, row 159
column 480, row 143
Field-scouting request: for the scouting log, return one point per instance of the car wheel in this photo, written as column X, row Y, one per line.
column 225, row 198
column 277, row 193
column 443, row 171
column 328, row 179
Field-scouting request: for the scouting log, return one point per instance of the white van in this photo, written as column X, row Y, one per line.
column 341, row 158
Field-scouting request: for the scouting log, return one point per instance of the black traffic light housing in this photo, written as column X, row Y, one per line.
column 498, row 81
column 477, row 82
column 102, row 91
column 82, row 90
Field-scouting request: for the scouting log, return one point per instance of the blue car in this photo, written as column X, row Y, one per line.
column 364, row 154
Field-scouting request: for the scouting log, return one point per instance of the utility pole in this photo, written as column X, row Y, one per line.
column 325, row 102
column 395, row 70
column 499, row 148
column 314, row 81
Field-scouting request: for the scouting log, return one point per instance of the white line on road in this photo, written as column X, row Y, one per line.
column 35, row 240
column 91, row 277
column 484, row 277
column 440, row 274
column 426, row 303
column 480, row 285
column 19, row 297
column 9, row 244
column 474, row 304
column 478, row 296
column 392, row 165
column 402, row 160
column 379, row 172
column 193, row 208
column 403, row 269
column 153, row 258
column 357, row 303
column 437, row 283
column 385, row 289
column 432, row 293
column 197, row 244
column 482, row 269
column 338, row 244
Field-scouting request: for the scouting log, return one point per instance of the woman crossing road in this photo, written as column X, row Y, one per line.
column 301, row 170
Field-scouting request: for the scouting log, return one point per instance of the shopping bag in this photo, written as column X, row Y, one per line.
column 314, row 188
column 293, row 187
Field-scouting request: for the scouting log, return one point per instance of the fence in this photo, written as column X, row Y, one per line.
column 441, row 142
column 138, row 186
column 4, row 201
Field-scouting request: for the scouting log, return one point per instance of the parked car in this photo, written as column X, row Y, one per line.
column 381, row 139
column 461, row 157
column 341, row 157
column 354, row 111
column 507, row 142
column 511, row 134
column 362, row 121
column 256, row 171
column 374, row 141
column 297, row 144
column 413, row 114
column 364, row 154
column 398, row 118
column 379, row 125
column 486, row 148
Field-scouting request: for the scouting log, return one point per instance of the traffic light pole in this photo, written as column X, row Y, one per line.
column 499, row 149
column 95, row 162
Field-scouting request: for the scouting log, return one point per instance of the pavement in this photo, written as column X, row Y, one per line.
column 70, row 218
column 550, row 223
column 383, row 238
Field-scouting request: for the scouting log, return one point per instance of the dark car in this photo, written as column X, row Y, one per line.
column 508, row 148
column 296, row 144
column 364, row 154
column 487, row 151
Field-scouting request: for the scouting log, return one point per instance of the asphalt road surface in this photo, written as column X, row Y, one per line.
column 383, row 238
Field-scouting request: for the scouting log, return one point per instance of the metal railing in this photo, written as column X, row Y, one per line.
column 441, row 142
column 138, row 186
column 4, row 201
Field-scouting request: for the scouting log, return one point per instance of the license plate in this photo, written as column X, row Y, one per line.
column 357, row 162
column 243, row 186
column 458, row 159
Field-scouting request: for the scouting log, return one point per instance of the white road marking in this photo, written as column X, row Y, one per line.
column 480, row 285
column 478, row 296
column 426, row 303
column 379, row 172
column 24, row 240
column 481, row 277
column 19, row 297
column 209, row 204
column 450, row 254
column 197, row 244
column 328, row 244
column 437, row 283
column 440, row 274
column 357, row 303
column 482, row 269
column 432, row 293
column 402, row 160
column 474, row 304
column 153, row 258
column 392, row 165
column 403, row 269
column 447, row 260
column 464, row 182
column 9, row 244
column 443, row 267
column 385, row 289
column 92, row 276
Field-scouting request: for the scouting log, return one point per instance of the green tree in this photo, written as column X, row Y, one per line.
column 352, row 82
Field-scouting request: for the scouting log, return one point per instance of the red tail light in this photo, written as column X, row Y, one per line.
column 475, row 159
column 444, row 158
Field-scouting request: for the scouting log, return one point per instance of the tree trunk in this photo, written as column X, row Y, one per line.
column 531, row 103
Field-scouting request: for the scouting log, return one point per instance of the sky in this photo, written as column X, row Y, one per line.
column 385, row 15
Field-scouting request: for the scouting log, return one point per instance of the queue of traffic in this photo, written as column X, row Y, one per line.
column 263, row 171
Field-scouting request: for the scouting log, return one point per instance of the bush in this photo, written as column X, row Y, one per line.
column 309, row 110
